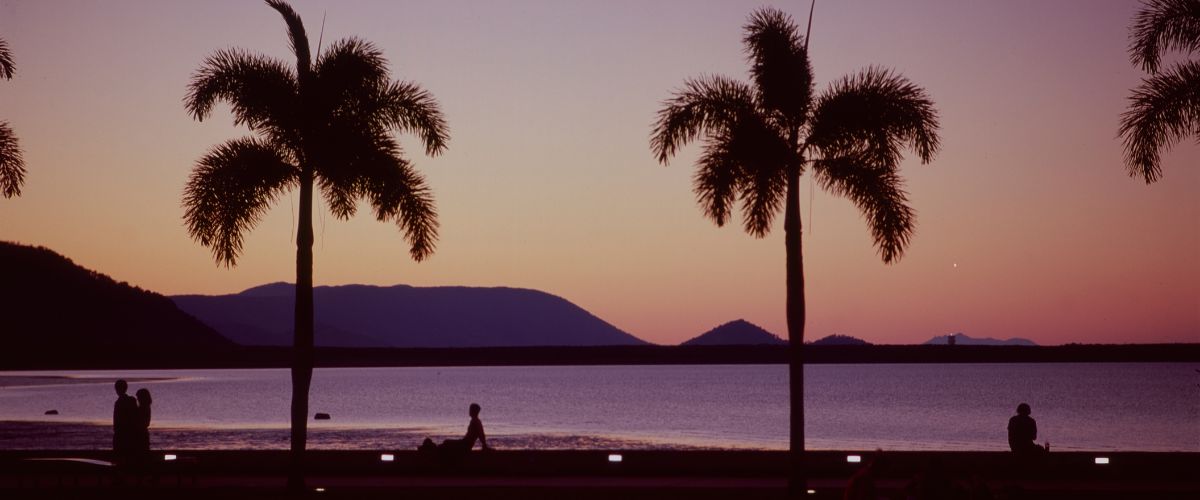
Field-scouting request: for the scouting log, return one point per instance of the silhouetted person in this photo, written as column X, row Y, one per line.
column 1022, row 431
column 143, row 428
column 474, row 433
column 125, row 423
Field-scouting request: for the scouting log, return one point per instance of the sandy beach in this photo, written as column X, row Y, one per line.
column 34, row 435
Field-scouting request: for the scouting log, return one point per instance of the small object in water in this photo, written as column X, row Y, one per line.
column 321, row 416
column 52, row 412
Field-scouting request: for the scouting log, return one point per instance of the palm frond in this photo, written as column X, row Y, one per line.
column 229, row 191
column 409, row 108
column 875, row 110
column 398, row 192
column 345, row 154
column 6, row 61
column 348, row 68
column 746, row 162
column 717, row 181
column 706, row 104
column 261, row 90
column 12, row 164
column 297, row 36
column 878, row 192
column 779, row 65
column 1164, row 109
column 764, row 156
column 1161, row 26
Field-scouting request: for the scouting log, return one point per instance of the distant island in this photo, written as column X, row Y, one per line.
column 406, row 316
column 961, row 339
column 839, row 339
column 737, row 332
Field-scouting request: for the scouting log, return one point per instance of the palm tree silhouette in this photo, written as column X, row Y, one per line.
column 328, row 122
column 12, row 165
column 1165, row 108
column 760, row 137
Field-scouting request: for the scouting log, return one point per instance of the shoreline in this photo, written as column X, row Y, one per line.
column 22, row 381
column 33, row 435
column 93, row 436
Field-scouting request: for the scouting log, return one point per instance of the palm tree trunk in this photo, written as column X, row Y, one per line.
column 795, row 325
column 302, row 351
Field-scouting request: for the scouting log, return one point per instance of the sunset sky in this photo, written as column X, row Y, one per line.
column 1028, row 225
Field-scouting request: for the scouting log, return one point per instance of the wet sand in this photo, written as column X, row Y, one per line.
column 40, row 435
column 39, row 380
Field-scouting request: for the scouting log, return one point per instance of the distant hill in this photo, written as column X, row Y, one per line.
column 961, row 339
column 838, row 339
column 49, row 304
column 737, row 332
column 406, row 316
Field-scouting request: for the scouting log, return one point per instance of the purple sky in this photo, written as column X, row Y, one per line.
column 1028, row 225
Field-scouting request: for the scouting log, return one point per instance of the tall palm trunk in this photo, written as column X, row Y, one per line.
column 302, row 351
column 795, row 325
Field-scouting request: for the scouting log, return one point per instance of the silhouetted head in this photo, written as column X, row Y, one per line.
column 474, row 410
column 121, row 386
column 1023, row 409
column 143, row 397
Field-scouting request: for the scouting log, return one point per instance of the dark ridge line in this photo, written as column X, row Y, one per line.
column 280, row 357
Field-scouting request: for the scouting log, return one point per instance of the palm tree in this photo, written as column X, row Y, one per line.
column 1165, row 108
column 12, row 165
column 328, row 122
column 760, row 137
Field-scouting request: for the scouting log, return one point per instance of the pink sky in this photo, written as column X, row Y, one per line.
column 549, row 182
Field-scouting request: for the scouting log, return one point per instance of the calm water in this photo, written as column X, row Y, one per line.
column 1078, row 406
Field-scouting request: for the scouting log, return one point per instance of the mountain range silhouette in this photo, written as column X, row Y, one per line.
column 737, row 332
column 50, row 304
column 406, row 316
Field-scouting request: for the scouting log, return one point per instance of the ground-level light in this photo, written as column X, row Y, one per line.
column 387, row 457
column 168, row 457
column 854, row 458
column 615, row 458
column 1101, row 460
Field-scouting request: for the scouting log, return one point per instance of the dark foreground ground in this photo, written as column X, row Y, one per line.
column 580, row 475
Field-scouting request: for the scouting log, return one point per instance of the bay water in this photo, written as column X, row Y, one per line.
column 1078, row 406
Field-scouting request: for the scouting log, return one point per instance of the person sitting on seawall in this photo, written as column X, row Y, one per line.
column 474, row 433
column 1022, row 431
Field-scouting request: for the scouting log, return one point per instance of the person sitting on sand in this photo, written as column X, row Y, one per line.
column 1022, row 431
column 474, row 433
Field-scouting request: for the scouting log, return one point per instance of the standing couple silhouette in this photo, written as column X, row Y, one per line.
column 131, row 424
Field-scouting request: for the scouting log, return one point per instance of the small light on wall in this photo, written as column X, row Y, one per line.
column 854, row 458
column 387, row 457
column 812, row 492
column 169, row 457
column 1102, row 460
column 615, row 458
column 319, row 490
